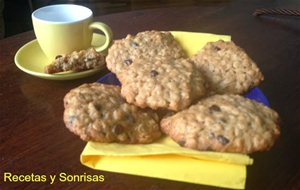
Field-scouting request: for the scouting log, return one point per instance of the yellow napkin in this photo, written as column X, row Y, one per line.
column 192, row 42
column 165, row 159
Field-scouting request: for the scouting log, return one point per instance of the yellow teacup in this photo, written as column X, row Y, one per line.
column 64, row 28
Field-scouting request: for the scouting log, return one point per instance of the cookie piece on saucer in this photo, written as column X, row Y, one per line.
column 227, row 67
column 76, row 61
column 171, row 84
column 97, row 112
column 224, row 123
column 147, row 45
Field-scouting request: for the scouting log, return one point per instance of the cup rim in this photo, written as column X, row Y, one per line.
column 88, row 15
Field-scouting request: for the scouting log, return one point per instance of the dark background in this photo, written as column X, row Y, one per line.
column 17, row 13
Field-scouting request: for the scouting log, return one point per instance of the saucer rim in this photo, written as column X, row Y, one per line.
column 69, row 76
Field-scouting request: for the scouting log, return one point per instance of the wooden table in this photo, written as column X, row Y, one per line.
column 33, row 138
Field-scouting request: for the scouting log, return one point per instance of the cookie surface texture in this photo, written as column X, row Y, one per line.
column 227, row 68
column 147, row 45
column 171, row 84
column 97, row 112
column 224, row 123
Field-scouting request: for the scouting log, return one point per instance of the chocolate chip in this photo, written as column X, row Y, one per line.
column 181, row 142
column 134, row 45
column 211, row 136
column 97, row 107
column 216, row 48
column 102, row 115
column 128, row 61
column 223, row 140
column 153, row 73
column 214, row 108
column 223, row 120
column 117, row 129
column 58, row 56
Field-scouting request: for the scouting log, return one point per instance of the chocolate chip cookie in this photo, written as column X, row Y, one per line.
column 224, row 123
column 97, row 112
column 227, row 68
column 147, row 45
column 171, row 84
column 76, row 61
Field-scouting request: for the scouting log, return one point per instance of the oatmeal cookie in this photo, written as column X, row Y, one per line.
column 97, row 112
column 76, row 61
column 224, row 123
column 227, row 68
column 171, row 84
column 146, row 45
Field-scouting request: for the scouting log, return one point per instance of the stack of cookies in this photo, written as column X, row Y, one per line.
column 196, row 101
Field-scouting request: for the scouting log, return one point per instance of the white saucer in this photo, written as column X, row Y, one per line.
column 31, row 59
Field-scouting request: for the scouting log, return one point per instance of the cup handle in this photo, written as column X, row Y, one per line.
column 107, row 32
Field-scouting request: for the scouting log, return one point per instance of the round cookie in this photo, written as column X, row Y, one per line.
column 227, row 68
column 97, row 112
column 224, row 123
column 171, row 84
column 147, row 45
